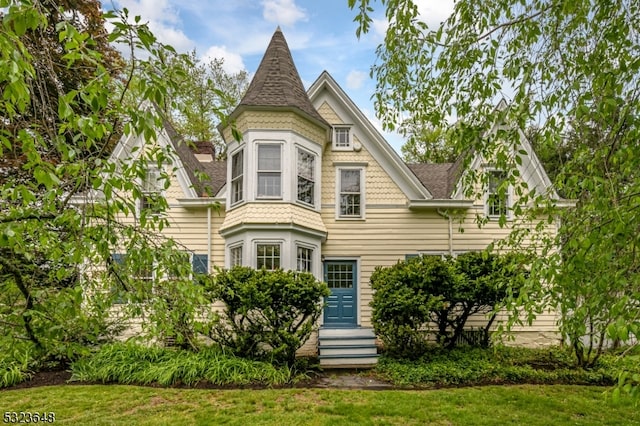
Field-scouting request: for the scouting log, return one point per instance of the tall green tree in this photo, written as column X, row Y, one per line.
column 568, row 68
column 202, row 93
column 61, row 112
column 428, row 145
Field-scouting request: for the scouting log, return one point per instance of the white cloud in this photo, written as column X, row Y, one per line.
column 434, row 12
column 172, row 36
column 283, row 12
column 233, row 62
column 431, row 12
column 379, row 27
column 355, row 79
column 163, row 19
column 150, row 10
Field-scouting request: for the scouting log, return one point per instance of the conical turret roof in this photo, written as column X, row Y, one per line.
column 277, row 83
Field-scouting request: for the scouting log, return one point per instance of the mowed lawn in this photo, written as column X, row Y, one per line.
column 525, row 404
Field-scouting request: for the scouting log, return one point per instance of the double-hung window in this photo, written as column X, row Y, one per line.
column 350, row 196
column 304, row 259
column 268, row 256
column 497, row 196
column 306, row 177
column 151, row 197
column 235, row 256
column 237, row 177
column 269, row 171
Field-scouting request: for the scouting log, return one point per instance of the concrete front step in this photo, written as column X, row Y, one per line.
column 342, row 362
column 347, row 347
column 369, row 350
column 346, row 332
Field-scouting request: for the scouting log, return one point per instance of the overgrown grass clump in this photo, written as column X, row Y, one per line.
column 501, row 365
column 13, row 370
column 17, row 363
column 129, row 363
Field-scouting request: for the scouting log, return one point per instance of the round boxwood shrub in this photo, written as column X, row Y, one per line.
column 267, row 314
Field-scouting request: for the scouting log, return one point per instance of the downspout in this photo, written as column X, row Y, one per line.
column 448, row 216
column 209, row 240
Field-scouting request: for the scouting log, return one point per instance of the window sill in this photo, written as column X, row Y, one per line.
column 307, row 206
column 350, row 219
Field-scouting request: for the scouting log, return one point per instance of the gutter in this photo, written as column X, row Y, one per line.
column 565, row 203
column 201, row 202
column 440, row 204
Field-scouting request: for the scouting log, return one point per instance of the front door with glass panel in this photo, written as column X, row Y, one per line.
column 341, row 307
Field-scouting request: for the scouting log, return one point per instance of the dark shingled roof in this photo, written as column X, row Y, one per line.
column 277, row 82
column 439, row 178
column 216, row 171
column 203, row 147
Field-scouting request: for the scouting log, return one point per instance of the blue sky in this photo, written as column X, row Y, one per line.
column 320, row 34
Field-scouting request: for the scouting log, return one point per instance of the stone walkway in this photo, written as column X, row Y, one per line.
column 350, row 380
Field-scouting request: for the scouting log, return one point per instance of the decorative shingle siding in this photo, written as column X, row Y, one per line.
column 266, row 120
column 271, row 213
column 329, row 114
column 380, row 188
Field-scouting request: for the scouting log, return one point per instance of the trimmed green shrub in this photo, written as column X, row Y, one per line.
column 430, row 294
column 404, row 299
column 268, row 314
column 501, row 365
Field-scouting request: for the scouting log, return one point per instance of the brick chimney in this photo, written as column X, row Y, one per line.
column 204, row 151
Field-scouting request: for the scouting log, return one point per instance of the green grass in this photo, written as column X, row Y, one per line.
column 524, row 404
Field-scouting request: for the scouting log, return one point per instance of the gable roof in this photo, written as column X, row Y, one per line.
column 436, row 177
column 277, row 84
column 216, row 170
column 325, row 87
column 530, row 167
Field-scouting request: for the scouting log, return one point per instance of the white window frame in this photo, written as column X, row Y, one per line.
column 339, row 215
column 150, row 189
column 489, row 193
column 237, row 183
column 313, row 180
column 258, row 172
column 279, row 244
column 232, row 258
column 338, row 129
column 309, row 260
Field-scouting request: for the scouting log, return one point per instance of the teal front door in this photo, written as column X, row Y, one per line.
column 341, row 308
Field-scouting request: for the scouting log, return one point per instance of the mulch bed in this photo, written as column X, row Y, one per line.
column 44, row 378
column 347, row 379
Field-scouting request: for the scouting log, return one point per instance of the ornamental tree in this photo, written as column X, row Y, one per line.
column 61, row 111
column 566, row 68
